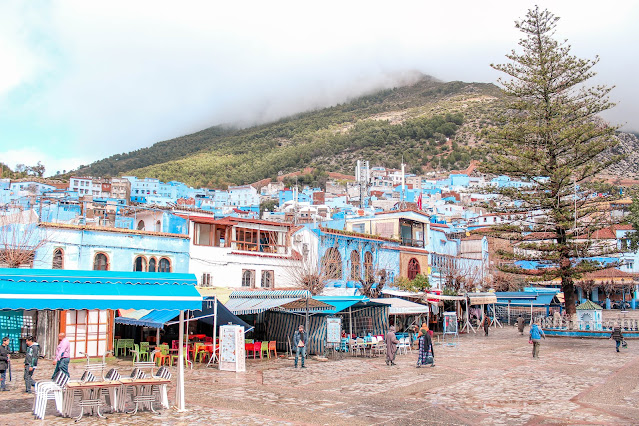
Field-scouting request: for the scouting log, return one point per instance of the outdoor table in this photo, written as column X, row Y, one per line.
column 90, row 396
column 142, row 393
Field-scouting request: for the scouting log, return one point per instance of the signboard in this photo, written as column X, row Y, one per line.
column 450, row 323
column 333, row 330
column 232, row 356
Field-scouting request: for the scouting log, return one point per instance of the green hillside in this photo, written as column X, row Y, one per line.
column 412, row 121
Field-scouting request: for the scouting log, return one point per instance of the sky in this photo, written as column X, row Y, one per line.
column 80, row 81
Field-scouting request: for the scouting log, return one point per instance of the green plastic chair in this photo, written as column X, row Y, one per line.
column 265, row 350
column 136, row 350
column 144, row 351
column 249, row 340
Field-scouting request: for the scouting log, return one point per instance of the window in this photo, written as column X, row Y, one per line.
column 164, row 265
column 267, row 279
column 248, row 278
column 246, row 239
column 139, row 265
column 259, row 240
column 152, row 264
column 202, row 234
column 630, row 264
column 58, row 259
column 207, row 280
column 368, row 266
column 359, row 227
column 101, row 262
column 87, row 331
column 413, row 268
column 141, row 225
column 332, row 264
column 355, row 266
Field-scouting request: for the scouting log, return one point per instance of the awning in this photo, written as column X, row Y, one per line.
column 403, row 307
column 341, row 303
column 481, row 299
column 224, row 316
column 133, row 313
column 402, row 293
column 444, row 297
column 94, row 277
column 155, row 319
column 66, row 295
column 246, row 306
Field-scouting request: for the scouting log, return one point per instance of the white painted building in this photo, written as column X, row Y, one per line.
column 241, row 253
column 243, row 196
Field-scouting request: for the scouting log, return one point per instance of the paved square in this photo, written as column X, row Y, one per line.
column 481, row 380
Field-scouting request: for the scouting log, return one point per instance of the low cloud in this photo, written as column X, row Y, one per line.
column 120, row 76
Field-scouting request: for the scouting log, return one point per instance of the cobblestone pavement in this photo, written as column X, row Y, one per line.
column 480, row 380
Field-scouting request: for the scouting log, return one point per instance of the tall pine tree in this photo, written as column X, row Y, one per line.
column 551, row 136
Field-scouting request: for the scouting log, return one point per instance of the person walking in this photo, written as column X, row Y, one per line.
column 30, row 363
column 486, row 324
column 4, row 363
column 62, row 354
column 616, row 335
column 300, row 339
column 391, row 346
column 536, row 333
column 426, row 352
column 521, row 324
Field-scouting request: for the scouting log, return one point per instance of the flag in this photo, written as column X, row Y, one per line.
column 419, row 201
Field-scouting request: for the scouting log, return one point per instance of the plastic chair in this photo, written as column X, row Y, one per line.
column 264, row 349
column 208, row 339
column 49, row 390
column 255, row 348
column 162, row 356
column 251, row 341
column 144, row 351
column 136, row 353
column 272, row 346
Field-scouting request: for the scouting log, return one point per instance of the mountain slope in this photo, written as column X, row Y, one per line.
column 412, row 122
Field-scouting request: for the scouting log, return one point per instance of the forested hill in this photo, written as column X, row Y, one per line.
column 431, row 124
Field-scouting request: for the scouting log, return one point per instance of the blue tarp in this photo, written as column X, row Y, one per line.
column 342, row 303
column 524, row 298
column 155, row 319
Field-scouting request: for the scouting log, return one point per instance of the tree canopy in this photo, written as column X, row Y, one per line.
column 550, row 135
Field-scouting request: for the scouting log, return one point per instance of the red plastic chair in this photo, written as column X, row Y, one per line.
column 257, row 349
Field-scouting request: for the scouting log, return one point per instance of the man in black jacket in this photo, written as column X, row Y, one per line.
column 300, row 340
column 30, row 363
column 4, row 363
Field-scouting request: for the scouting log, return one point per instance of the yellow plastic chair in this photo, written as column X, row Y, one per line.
column 265, row 350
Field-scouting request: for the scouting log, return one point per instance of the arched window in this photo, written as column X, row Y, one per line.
column 101, row 262
column 413, row 268
column 332, row 264
column 356, row 269
column 267, row 279
column 152, row 264
column 140, row 264
column 158, row 226
column 164, row 265
column 141, row 225
column 248, row 278
column 368, row 267
column 58, row 259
